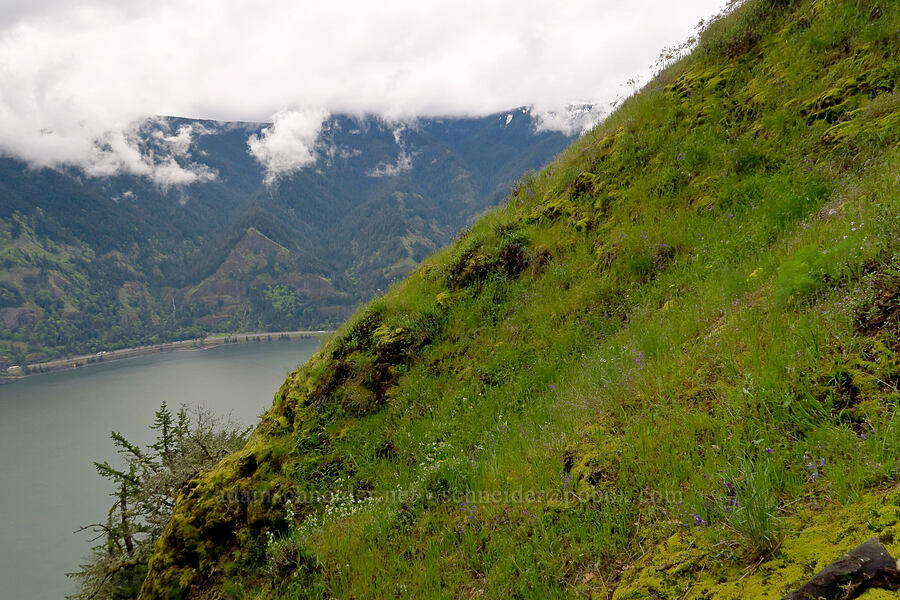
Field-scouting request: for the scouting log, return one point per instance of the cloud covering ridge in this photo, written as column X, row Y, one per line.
column 78, row 78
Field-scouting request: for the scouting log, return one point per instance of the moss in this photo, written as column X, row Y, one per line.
column 862, row 385
column 688, row 565
column 593, row 464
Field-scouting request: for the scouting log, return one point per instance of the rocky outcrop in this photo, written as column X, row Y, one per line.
column 867, row 565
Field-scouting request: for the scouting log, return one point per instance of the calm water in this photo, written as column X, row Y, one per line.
column 52, row 428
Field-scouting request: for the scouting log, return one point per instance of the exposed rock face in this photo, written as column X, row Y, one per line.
column 867, row 565
column 16, row 317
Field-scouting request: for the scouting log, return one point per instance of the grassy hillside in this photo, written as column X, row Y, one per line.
column 667, row 367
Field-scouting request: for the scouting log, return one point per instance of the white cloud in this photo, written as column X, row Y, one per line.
column 403, row 164
column 73, row 72
column 289, row 144
column 404, row 158
column 118, row 152
column 574, row 119
column 180, row 142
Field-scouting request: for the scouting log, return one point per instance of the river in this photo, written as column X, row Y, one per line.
column 53, row 426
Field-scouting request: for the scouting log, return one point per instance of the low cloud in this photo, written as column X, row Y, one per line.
column 403, row 164
column 289, row 144
column 404, row 158
column 574, row 119
column 147, row 150
column 79, row 77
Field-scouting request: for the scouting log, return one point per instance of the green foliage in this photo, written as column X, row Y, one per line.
column 734, row 35
column 144, row 493
column 673, row 350
column 753, row 509
column 801, row 275
column 9, row 296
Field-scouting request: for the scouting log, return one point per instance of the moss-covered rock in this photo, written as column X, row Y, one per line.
column 689, row 565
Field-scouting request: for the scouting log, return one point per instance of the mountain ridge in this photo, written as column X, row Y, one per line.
column 135, row 248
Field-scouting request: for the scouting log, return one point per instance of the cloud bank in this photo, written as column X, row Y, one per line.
column 289, row 144
column 78, row 78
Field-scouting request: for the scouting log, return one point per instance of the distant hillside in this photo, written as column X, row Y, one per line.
column 101, row 263
column 667, row 367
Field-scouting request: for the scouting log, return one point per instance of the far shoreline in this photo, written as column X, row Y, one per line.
column 205, row 343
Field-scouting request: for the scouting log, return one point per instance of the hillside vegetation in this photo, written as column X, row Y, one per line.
column 667, row 367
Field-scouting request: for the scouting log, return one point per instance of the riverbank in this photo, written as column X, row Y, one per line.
column 76, row 362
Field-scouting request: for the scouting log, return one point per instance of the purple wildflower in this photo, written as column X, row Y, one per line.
column 639, row 359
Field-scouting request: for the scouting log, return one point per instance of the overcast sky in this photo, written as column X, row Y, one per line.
column 76, row 76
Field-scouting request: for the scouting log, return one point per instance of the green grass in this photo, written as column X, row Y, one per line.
column 684, row 326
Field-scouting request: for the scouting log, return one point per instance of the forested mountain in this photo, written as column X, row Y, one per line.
column 93, row 263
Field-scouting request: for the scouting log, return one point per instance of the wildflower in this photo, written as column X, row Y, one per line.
column 815, row 475
column 864, row 436
column 822, row 462
column 769, row 451
column 639, row 359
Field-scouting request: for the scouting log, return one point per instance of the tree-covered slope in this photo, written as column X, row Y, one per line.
column 99, row 263
column 667, row 367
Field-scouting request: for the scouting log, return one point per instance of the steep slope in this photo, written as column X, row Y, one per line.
column 667, row 367
column 93, row 263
